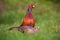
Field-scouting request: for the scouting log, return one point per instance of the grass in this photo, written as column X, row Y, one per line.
column 47, row 19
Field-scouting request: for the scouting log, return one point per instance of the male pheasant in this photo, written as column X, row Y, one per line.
column 28, row 19
column 28, row 24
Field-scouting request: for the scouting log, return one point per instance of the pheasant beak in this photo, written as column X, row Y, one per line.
column 33, row 6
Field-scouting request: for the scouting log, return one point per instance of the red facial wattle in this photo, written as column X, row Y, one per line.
column 31, row 6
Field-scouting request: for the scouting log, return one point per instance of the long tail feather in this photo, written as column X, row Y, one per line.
column 14, row 28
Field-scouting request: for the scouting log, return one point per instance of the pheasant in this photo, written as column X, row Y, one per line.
column 28, row 23
column 28, row 19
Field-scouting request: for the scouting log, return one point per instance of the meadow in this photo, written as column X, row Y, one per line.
column 46, row 14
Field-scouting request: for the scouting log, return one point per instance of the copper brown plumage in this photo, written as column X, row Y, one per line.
column 28, row 19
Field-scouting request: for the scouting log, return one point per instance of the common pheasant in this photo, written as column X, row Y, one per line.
column 29, row 19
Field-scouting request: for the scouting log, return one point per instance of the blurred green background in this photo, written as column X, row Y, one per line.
column 46, row 14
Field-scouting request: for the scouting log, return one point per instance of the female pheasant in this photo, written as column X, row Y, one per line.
column 28, row 24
